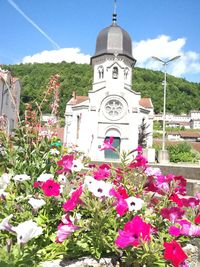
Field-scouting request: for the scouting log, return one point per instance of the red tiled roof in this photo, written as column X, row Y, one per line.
column 185, row 134
column 190, row 134
column 77, row 100
column 146, row 103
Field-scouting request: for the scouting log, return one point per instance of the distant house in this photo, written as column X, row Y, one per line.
column 184, row 136
column 179, row 124
column 194, row 114
column 9, row 100
column 190, row 121
column 195, row 123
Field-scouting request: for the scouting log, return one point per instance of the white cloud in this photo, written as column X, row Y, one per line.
column 165, row 48
column 59, row 55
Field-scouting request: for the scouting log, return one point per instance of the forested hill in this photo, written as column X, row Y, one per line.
column 182, row 96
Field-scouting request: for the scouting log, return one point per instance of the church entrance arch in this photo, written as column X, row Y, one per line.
column 110, row 154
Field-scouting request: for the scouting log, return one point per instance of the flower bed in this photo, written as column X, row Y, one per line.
column 55, row 205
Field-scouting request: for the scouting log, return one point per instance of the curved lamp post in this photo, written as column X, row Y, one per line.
column 164, row 156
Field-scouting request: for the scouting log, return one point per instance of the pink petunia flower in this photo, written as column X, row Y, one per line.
column 122, row 191
column 174, row 253
column 108, row 144
column 139, row 161
column 172, row 214
column 197, row 219
column 175, row 198
column 190, row 202
column 185, row 228
column 180, row 185
column 65, row 230
column 66, row 162
column 37, row 184
column 121, row 204
column 134, row 232
column 153, row 171
column 74, row 200
column 51, row 188
column 103, row 172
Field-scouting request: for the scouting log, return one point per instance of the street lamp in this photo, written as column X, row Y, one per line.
column 164, row 156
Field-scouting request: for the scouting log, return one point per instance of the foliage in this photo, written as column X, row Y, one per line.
column 182, row 96
column 130, row 211
column 143, row 134
column 182, row 153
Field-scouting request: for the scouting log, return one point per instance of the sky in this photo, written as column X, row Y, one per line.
column 66, row 30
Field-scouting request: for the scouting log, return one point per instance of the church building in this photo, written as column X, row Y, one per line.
column 112, row 108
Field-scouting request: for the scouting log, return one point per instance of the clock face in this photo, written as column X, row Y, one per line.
column 114, row 108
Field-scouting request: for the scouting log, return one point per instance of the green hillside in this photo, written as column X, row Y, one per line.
column 182, row 96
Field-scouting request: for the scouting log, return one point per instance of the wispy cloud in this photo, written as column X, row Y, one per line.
column 164, row 48
column 15, row 6
column 56, row 56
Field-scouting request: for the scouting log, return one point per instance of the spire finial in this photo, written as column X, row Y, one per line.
column 115, row 12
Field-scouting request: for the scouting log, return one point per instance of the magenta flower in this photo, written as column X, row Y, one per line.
column 174, row 253
column 185, row 228
column 139, row 149
column 66, row 162
column 180, row 185
column 190, row 202
column 103, row 172
column 108, row 144
column 175, row 198
column 51, row 188
column 172, row 214
column 74, row 200
column 139, row 161
column 121, row 204
column 134, row 232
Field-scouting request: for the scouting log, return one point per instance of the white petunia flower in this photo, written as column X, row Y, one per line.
column 3, row 193
column 100, row 188
column 77, row 165
column 26, row 231
column 134, row 203
column 36, row 203
column 4, row 180
column 62, row 179
column 88, row 181
column 54, row 151
column 21, row 177
column 44, row 177
column 4, row 225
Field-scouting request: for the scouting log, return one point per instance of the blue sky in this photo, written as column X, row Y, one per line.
column 56, row 30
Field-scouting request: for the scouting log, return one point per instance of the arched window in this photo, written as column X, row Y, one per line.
column 115, row 73
column 126, row 70
column 78, row 127
column 101, row 72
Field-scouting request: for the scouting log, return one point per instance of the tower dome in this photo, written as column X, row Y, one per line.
column 114, row 40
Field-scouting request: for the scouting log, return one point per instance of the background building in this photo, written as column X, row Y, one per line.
column 9, row 100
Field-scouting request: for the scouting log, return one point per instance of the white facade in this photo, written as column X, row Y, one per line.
column 112, row 108
column 195, row 123
column 9, row 101
column 195, row 114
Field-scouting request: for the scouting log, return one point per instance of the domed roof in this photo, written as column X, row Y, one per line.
column 112, row 40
